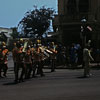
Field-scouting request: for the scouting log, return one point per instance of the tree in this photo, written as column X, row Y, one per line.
column 15, row 34
column 36, row 22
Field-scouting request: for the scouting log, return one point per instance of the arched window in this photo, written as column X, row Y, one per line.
column 71, row 7
column 83, row 6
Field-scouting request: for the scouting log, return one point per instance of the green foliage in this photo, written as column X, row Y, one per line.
column 15, row 34
column 36, row 22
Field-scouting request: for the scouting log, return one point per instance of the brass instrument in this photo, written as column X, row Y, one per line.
column 49, row 51
column 42, row 52
column 25, row 46
column 46, row 52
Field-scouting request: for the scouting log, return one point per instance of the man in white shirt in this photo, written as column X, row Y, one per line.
column 86, row 59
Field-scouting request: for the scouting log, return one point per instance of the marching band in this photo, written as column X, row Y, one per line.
column 27, row 59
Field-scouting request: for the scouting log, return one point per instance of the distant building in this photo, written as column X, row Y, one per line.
column 68, row 22
column 5, row 34
column 6, row 30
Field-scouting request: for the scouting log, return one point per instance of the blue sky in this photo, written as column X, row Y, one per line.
column 12, row 11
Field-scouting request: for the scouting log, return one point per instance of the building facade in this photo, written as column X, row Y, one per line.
column 5, row 34
column 72, row 15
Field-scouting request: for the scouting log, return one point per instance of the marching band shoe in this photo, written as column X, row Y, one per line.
column 28, row 77
column 34, row 76
column 4, row 75
column 21, row 80
column 16, row 81
column 1, row 77
column 52, row 70
column 42, row 75
column 90, row 74
column 87, row 76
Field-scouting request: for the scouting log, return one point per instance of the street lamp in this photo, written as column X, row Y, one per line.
column 83, row 34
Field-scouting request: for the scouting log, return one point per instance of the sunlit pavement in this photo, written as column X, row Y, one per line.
column 63, row 84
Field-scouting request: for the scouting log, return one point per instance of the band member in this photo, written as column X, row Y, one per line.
column 33, row 57
column 1, row 62
column 21, row 41
column 28, row 62
column 14, row 52
column 19, row 64
column 5, row 60
column 41, row 62
column 38, row 62
column 53, row 57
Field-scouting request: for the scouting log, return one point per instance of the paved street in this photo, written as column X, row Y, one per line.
column 64, row 84
column 60, row 85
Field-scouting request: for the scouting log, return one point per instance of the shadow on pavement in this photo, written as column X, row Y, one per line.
column 10, row 83
column 83, row 77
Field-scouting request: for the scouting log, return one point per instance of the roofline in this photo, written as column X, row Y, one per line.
column 5, row 28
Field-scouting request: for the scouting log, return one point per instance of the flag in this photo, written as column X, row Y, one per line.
column 89, row 28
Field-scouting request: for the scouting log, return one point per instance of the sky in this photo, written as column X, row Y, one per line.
column 12, row 11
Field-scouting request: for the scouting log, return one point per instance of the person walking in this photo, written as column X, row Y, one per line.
column 5, row 61
column 38, row 61
column 1, row 63
column 28, row 62
column 53, row 56
column 19, row 64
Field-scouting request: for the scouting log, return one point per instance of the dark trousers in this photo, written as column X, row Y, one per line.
column 1, row 67
column 16, row 70
column 4, row 68
column 39, row 66
column 53, row 63
column 34, row 66
column 28, row 70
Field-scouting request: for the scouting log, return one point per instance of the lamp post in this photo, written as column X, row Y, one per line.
column 83, row 34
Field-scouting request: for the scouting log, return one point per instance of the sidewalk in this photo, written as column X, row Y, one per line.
column 93, row 65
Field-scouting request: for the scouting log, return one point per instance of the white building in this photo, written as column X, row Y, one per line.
column 6, row 30
column 5, row 34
